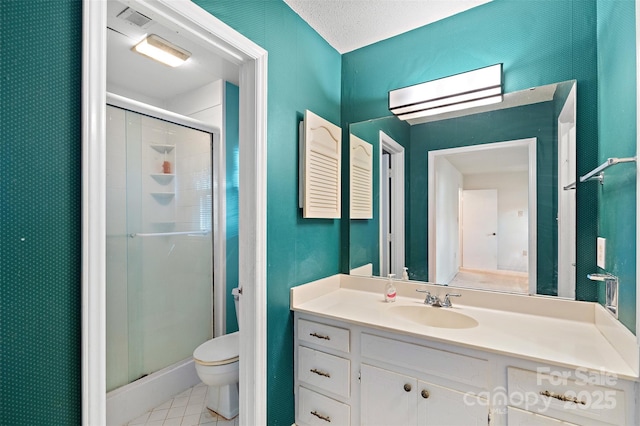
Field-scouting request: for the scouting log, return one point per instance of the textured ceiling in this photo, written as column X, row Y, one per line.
column 351, row 24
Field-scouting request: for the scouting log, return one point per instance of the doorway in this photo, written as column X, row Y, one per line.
column 482, row 213
column 392, row 219
column 219, row 39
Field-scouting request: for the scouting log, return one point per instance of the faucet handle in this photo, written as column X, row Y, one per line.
column 446, row 303
column 427, row 299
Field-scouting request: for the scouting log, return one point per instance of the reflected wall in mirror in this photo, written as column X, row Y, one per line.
column 533, row 223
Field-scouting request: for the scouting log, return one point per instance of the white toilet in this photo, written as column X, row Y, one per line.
column 217, row 366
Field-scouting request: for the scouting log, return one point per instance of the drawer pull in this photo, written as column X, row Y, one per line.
column 425, row 393
column 321, row 417
column 320, row 372
column 407, row 387
column 320, row 336
column 562, row 397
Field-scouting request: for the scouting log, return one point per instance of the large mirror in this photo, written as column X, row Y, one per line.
column 482, row 198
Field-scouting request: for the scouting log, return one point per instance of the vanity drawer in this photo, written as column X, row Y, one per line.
column 553, row 395
column 517, row 417
column 323, row 335
column 317, row 409
column 325, row 371
column 459, row 368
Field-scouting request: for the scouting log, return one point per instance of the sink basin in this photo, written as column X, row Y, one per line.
column 434, row 317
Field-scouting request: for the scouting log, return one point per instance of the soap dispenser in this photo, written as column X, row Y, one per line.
column 405, row 274
column 390, row 290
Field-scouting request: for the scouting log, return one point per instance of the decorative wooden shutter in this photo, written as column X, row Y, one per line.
column 361, row 178
column 321, row 180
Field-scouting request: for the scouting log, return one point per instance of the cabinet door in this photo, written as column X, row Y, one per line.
column 442, row 406
column 387, row 398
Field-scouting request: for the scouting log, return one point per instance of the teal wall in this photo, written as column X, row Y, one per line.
column 40, row 248
column 231, row 129
column 40, row 212
column 617, row 138
column 538, row 41
column 40, row 197
column 304, row 73
column 364, row 246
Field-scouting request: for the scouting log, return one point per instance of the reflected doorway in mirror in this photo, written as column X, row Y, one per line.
column 392, row 233
column 505, row 170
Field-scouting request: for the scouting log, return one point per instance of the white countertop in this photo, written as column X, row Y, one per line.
column 568, row 336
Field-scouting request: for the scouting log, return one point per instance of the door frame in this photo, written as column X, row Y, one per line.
column 530, row 143
column 567, row 206
column 252, row 62
column 396, row 201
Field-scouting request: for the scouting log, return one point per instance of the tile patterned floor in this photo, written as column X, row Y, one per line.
column 185, row 409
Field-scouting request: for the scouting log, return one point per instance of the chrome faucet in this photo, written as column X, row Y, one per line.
column 435, row 300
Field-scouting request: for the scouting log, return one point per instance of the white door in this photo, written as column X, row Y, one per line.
column 480, row 229
column 387, row 398
column 442, row 406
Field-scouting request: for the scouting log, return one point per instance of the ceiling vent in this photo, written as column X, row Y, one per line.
column 135, row 18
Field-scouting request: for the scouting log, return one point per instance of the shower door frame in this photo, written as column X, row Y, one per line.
column 252, row 62
column 217, row 226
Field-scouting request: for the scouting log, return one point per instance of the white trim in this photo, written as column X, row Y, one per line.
column 219, row 150
column 397, row 202
column 219, row 226
column 566, row 212
column 532, row 214
column 252, row 240
column 94, row 48
column 252, row 59
column 156, row 112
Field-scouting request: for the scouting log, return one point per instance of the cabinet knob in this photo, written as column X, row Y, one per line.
column 407, row 387
column 425, row 393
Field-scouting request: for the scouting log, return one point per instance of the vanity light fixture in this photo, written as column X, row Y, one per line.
column 475, row 88
column 161, row 50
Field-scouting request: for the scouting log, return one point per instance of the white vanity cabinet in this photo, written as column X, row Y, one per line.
column 389, row 398
column 577, row 396
column 351, row 374
column 519, row 417
column 409, row 384
column 348, row 375
column 323, row 374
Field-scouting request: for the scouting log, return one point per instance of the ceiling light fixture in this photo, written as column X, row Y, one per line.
column 466, row 90
column 161, row 50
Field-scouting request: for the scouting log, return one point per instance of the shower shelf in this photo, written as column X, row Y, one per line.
column 162, row 149
column 163, row 195
column 163, row 178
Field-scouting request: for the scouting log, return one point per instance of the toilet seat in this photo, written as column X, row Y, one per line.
column 219, row 351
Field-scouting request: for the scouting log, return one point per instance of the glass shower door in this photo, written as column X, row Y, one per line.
column 162, row 221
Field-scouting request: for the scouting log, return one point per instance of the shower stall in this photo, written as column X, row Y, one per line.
column 160, row 212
